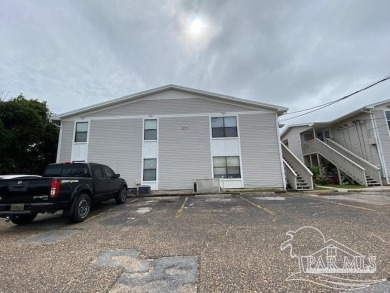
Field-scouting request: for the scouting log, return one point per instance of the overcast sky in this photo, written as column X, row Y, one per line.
column 295, row 54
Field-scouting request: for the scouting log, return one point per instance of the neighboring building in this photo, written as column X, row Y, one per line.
column 170, row 136
column 358, row 143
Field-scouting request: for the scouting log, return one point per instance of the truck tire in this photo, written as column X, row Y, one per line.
column 81, row 208
column 121, row 197
column 23, row 219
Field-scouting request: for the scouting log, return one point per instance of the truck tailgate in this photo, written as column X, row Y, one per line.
column 24, row 190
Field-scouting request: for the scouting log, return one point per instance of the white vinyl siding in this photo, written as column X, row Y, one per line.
column 295, row 141
column 118, row 144
column 66, row 141
column 261, row 165
column 192, row 105
column 184, row 148
column 184, row 151
column 357, row 135
column 384, row 135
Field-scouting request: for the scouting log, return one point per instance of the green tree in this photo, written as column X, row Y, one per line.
column 28, row 137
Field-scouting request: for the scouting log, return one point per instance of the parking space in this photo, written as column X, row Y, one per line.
column 210, row 243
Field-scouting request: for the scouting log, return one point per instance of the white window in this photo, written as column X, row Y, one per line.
column 388, row 118
column 81, row 133
column 226, row 167
column 150, row 129
column 150, row 169
column 224, row 126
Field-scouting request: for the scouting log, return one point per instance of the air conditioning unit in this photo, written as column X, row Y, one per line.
column 209, row 185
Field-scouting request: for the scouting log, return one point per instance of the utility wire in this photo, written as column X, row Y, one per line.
column 319, row 107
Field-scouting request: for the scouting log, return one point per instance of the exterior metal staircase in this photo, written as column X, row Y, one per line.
column 349, row 163
column 298, row 176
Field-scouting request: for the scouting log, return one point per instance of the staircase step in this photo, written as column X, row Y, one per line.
column 373, row 184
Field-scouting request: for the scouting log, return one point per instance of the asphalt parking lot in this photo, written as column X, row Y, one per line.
column 211, row 243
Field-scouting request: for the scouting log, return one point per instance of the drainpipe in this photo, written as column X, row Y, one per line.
column 378, row 143
column 318, row 155
column 59, row 143
column 280, row 152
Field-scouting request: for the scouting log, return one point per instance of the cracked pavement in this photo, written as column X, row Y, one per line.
column 190, row 244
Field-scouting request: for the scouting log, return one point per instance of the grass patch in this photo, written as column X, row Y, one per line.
column 347, row 186
column 238, row 190
column 320, row 188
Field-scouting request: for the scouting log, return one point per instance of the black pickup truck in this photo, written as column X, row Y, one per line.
column 71, row 187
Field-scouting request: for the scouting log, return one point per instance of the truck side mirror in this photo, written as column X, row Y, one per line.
column 117, row 175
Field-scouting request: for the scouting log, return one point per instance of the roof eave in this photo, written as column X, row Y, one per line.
column 278, row 109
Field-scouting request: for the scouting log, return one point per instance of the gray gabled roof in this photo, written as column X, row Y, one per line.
column 289, row 127
column 337, row 120
column 279, row 109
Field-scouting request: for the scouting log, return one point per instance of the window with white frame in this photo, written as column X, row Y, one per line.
column 226, row 167
column 150, row 169
column 150, row 129
column 388, row 118
column 224, row 126
column 81, row 133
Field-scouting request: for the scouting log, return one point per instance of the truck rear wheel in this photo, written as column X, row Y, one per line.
column 22, row 219
column 121, row 197
column 81, row 208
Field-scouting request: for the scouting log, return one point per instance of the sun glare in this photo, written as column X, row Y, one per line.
column 196, row 26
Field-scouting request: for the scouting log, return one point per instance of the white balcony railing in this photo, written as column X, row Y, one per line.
column 349, row 167
column 298, row 166
column 371, row 170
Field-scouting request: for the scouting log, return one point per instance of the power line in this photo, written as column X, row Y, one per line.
column 319, row 107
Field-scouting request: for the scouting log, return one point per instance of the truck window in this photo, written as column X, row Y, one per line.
column 98, row 172
column 53, row 171
column 66, row 170
column 109, row 173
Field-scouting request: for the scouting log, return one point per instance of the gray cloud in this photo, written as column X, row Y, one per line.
column 292, row 53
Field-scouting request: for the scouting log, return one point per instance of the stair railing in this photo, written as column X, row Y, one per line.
column 291, row 176
column 371, row 170
column 353, row 170
column 298, row 166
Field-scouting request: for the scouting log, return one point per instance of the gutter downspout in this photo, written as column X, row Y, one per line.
column 280, row 152
column 380, row 150
column 318, row 155
column 59, row 144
